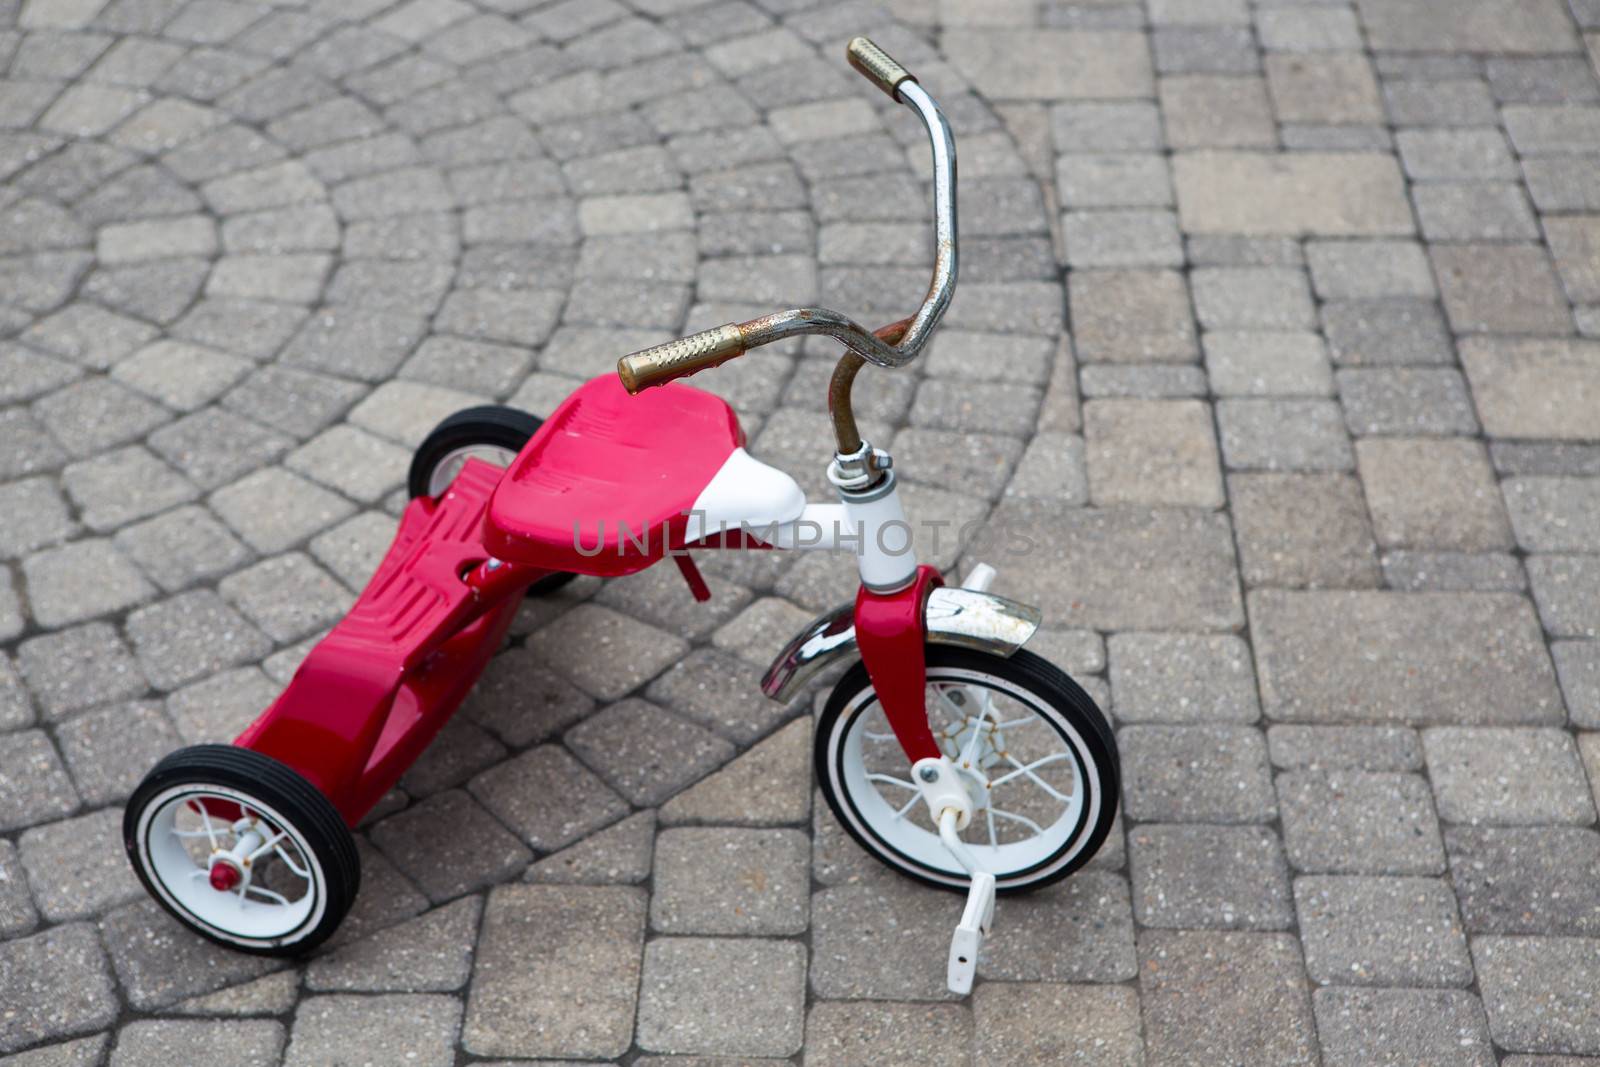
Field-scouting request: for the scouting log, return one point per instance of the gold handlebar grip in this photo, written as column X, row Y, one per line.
column 680, row 358
column 876, row 65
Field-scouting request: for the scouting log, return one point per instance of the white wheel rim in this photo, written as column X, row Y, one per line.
column 445, row 471
column 176, row 849
column 898, row 829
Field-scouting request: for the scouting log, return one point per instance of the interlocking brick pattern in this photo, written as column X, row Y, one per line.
column 1278, row 334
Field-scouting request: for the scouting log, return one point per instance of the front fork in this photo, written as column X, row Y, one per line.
column 891, row 634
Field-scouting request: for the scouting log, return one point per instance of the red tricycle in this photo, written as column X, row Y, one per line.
column 945, row 750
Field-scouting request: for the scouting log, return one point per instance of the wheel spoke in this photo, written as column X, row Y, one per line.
column 954, row 709
column 977, row 734
column 874, row 735
column 900, row 812
column 266, row 846
column 291, row 864
column 205, row 817
column 988, row 815
column 269, row 894
column 1014, row 817
column 1027, row 770
column 889, row 779
column 175, row 832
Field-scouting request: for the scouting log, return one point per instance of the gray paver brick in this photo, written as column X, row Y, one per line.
column 1151, row 452
column 768, row 785
column 1018, row 1023
column 1224, row 996
column 1274, row 434
column 1158, row 677
column 714, row 880
column 1266, row 363
column 1538, row 992
column 1506, row 777
column 841, row 1033
column 34, row 787
column 1394, row 1026
column 419, row 1029
column 1564, row 587
column 1371, row 748
column 867, row 936
column 17, row 914
column 1359, row 822
column 1195, row 876
column 80, row 581
column 158, row 962
column 1381, row 931
column 722, row 996
column 1470, row 658
column 1526, row 880
column 646, row 753
column 158, row 1041
column 1146, row 588
column 190, row 636
column 76, row 868
column 620, row 854
column 518, row 792
column 450, row 846
column 431, row 953
column 606, row 653
column 1532, row 388
column 1405, row 481
column 1079, row 930
column 1309, row 530
column 1195, row 774
column 70, row 670
column 108, row 751
column 56, row 985
column 1335, row 194
column 1506, row 288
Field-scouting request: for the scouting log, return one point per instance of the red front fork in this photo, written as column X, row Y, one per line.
column 891, row 636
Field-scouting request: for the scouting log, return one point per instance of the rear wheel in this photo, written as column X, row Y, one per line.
column 1037, row 757
column 493, row 433
column 242, row 850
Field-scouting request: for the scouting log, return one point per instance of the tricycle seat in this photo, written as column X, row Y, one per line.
column 606, row 485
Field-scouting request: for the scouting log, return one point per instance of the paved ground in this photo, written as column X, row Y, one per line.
column 1315, row 485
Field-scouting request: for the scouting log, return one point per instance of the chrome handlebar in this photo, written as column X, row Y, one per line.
column 677, row 359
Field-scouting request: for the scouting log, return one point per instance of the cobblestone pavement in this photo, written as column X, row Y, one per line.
column 1315, row 483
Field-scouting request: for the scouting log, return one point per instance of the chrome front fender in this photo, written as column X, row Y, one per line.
column 953, row 616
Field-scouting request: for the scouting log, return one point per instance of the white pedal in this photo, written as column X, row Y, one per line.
column 967, row 941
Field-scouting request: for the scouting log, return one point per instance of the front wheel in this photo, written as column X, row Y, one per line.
column 242, row 850
column 1037, row 757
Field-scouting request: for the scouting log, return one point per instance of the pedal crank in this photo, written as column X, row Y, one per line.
column 951, row 807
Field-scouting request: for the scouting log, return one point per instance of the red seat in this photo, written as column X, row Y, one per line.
column 611, row 473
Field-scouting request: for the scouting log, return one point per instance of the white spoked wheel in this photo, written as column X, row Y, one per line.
column 242, row 850
column 1035, row 754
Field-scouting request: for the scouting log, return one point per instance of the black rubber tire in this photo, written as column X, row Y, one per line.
column 1052, row 687
column 274, row 785
column 493, row 426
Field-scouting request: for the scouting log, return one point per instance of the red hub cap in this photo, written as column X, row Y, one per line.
column 224, row 877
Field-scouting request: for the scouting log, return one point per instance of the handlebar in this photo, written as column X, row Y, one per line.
column 681, row 358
